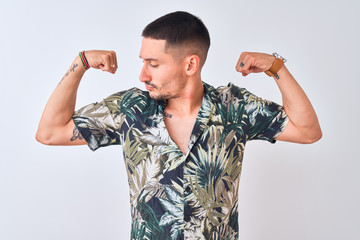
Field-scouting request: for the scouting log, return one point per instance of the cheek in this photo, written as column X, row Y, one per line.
column 168, row 76
column 163, row 74
column 176, row 72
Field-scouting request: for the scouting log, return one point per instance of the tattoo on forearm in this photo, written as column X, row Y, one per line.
column 72, row 69
column 76, row 135
column 168, row 115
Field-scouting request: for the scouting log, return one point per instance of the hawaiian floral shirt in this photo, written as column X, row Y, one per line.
column 176, row 196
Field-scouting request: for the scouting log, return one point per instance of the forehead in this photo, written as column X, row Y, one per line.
column 152, row 48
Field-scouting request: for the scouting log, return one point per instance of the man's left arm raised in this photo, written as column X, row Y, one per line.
column 303, row 125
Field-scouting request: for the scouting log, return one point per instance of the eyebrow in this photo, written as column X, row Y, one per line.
column 149, row 59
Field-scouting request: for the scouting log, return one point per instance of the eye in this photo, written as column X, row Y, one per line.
column 153, row 66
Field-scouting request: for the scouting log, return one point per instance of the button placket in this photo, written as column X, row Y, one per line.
column 187, row 188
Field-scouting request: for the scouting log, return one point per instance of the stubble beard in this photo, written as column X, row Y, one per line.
column 157, row 95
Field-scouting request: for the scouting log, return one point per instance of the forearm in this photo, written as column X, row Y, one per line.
column 297, row 105
column 61, row 104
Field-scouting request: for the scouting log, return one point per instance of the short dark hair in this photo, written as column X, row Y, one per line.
column 180, row 29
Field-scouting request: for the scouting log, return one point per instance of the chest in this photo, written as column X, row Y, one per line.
column 180, row 129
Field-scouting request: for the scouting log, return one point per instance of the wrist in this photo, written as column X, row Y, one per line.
column 276, row 66
column 273, row 59
column 84, row 61
column 79, row 63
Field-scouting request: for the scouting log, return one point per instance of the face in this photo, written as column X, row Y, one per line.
column 164, row 77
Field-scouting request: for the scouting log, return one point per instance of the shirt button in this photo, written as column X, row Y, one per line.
column 187, row 189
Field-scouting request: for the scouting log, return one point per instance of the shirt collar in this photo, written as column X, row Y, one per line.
column 211, row 92
column 161, row 102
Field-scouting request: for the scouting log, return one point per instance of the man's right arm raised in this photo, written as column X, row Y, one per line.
column 56, row 126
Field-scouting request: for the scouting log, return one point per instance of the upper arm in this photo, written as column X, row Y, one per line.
column 292, row 134
column 72, row 135
column 95, row 124
column 67, row 135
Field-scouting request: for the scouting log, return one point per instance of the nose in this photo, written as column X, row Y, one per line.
column 144, row 75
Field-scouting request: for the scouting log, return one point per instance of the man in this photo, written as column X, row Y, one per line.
column 183, row 139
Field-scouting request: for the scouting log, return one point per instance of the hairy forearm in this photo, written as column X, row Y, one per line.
column 297, row 105
column 61, row 104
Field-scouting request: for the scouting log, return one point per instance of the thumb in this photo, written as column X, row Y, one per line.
column 255, row 69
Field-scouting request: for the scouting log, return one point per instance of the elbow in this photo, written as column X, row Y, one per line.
column 42, row 138
column 314, row 137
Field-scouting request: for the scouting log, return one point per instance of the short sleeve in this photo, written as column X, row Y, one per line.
column 96, row 124
column 267, row 119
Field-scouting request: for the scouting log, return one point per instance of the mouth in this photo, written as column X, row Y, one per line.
column 149, row 86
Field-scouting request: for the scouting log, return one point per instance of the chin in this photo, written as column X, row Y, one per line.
column 155, row 96
column 158, row 97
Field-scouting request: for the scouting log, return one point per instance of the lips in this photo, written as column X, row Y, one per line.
column 149, row 87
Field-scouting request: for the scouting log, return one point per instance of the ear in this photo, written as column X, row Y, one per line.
column 192, row 64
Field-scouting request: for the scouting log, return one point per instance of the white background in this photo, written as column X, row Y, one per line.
column 287, row 190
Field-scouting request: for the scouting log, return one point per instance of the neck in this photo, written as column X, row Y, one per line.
column 189, row 101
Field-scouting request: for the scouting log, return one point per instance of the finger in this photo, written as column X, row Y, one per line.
column 247, row 65
column 107, row 63
column 116, row 65
column 240, row 64
column 244, row 64
column 114, row 62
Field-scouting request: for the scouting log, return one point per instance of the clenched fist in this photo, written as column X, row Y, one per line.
column 101, row 59
column 253, row 62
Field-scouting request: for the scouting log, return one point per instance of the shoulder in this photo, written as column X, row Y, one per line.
column 127, row 98
column 118, row 96
column 244, row 94
column 230, row 93
column 234, row 96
